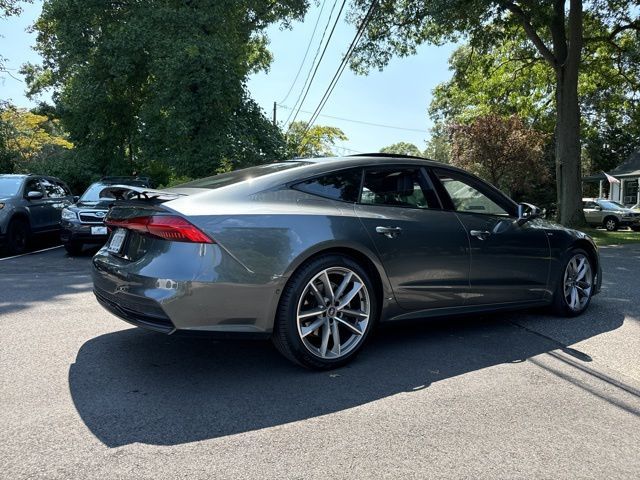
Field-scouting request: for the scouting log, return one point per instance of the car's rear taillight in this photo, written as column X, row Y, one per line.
column 168, row 227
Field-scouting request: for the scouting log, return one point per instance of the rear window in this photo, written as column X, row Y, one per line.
column 343, row 185
column 237, row 176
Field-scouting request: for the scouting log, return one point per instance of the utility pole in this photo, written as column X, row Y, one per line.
column 274, row 113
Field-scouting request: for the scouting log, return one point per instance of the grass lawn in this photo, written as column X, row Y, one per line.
column 602, row 237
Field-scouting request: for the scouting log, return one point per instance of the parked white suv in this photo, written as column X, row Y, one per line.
column 609, row 214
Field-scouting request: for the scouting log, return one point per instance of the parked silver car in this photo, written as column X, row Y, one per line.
column 313, row 253
column 29, row 205
column 600, row 212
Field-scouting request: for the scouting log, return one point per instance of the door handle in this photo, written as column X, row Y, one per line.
column 389, row 232
column 480, row 234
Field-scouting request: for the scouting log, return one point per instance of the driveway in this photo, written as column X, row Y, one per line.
column 521, row 395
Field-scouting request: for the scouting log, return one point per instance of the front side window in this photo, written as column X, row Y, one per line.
column 467, row 196
column 397, row 187
column 32, row 185
column 52, row 189
column 343, row 185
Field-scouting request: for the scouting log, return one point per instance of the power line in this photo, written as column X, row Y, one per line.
column 304, row 58
column 315, row 57
column 342, row 65
column 320, row 60
column 363, row 122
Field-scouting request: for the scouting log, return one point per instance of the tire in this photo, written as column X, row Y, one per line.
column 73, row 248
column 563, row 300
column 611, row 224
column 635, row 228
column 18, row 236
column 294, row 335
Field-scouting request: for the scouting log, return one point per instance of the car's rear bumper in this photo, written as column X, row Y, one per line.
column 186, row 288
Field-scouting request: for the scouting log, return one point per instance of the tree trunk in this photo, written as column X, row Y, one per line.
column 568, row 174
column 568, row 150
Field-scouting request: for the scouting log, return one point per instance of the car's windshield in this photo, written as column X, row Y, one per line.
column 92, row 194
column 610, row 205
column 237, row 176
column 9, row 186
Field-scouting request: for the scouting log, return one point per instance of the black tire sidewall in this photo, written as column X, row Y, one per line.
column 73, row 248
column 286, row 328
column 560, row 305
column 14, row 226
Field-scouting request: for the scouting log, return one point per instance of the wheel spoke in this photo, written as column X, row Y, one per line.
column 304, row 331
column 328, row 291
column 335, row 335
column 316, row 293
column 311, row 313
column 351, row 327
column 574, row 298
column 343, row 285
column 346, row 300
column 325, row 339
column 354, row 313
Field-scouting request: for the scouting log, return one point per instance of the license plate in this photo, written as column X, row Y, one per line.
column 98, row 230
column 117, row 239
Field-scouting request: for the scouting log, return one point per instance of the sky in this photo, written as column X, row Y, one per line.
column 398, row 96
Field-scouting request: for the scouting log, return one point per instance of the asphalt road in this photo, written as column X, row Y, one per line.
column 522, row 395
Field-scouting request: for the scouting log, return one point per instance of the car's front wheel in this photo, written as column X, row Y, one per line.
column 576, row 284
column 326, row 313
column 73, row 248
column 17, row 236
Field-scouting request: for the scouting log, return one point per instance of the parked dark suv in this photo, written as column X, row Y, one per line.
column 83, row 222
column 29, row 205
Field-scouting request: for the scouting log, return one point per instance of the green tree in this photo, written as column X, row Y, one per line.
column 134, row 89
column 439, row 144
column 554, row 32
column 317, row 141
column 402, row 148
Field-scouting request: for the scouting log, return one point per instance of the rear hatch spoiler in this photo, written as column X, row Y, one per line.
column 131, row 192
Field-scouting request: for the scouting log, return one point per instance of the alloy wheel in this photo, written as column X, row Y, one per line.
column 333, row 313
column 610, row 225
column 578, row 282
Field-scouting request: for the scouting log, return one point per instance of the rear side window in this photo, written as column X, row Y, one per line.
column 398, row 187
column 343, row 185
column 53, row 190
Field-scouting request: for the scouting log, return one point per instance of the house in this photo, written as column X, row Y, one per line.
column 628, row 173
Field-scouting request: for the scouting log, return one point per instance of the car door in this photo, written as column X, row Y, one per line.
column 509, row 262
column 424, row 249
column 56, row 200
column 37, row 207
column 592, row 212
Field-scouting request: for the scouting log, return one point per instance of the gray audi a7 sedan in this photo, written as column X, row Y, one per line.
column 314, row 252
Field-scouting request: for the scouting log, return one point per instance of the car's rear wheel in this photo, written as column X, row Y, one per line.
column 576, row 284
column 73, row 248
column 326, row 313
column 17, row 236
column 635, row 228
column 611, row 224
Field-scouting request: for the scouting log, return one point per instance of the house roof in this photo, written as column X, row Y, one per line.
column 629, row 168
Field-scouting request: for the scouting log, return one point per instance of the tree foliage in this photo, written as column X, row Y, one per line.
column 27, row 138
column 402, row 148
column 317, row 141
column 556, row 34
column 160, row 82
column 503, row 151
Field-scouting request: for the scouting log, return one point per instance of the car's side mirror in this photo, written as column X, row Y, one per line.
column 527, row 212
column 34, row 195
column 598, row 208
column 76, row 198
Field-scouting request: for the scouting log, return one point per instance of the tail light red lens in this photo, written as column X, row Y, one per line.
column 173, row 228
